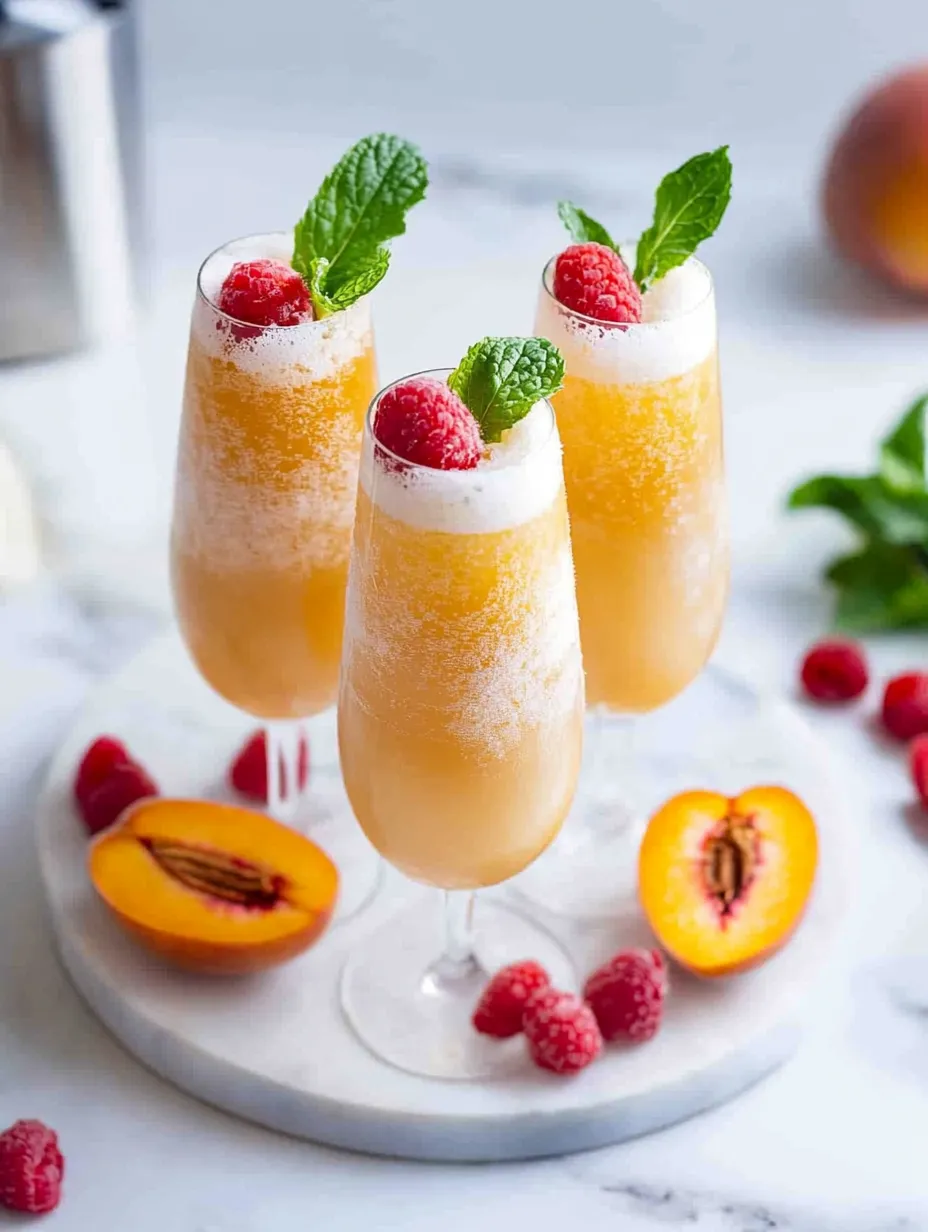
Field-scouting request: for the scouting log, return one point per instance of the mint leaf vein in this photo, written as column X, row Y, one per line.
column 361, row 205
column 688, row 207
column 501, row 379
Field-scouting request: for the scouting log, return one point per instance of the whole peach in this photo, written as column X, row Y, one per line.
column 875, row 196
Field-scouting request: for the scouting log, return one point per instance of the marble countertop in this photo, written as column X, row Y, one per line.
column 816, row 364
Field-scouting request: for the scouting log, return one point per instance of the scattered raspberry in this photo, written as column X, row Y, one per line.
column 31, row 1168
column 126, row 783
column 905, row 705
column 561, row 1031
column 835, row 671
column 500, row 1008
column 265, row 293
column 918, row 763
column 594, row 280
column 248, row 772
column 101, row 757
column 423, row 421
column 627, row 995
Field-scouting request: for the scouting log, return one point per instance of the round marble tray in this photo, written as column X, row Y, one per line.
column 276, row 1049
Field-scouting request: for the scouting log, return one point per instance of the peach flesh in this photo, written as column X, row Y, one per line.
column 213, row 887
column 724, row 882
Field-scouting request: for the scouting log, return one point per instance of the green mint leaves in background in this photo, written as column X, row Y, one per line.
column 500, row 379
column 884, row 584
column 340, row 243
column 688, row 208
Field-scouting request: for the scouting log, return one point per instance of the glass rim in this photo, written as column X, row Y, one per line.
column 404, row 463
column 547, row 284
column 225, row 316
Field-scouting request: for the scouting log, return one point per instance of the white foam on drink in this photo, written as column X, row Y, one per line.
column 311, row 351
column 677, row 330
column 515, row 481
column 255, row 501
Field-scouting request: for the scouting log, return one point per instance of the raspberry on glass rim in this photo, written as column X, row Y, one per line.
column 265, row 292
column 424, row 422
column 594, row 281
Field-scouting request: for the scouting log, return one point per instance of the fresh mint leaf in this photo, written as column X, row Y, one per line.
column 883, row 586
column 870, row 504
column 583, row 229
column 501, row 379
column 902, row 454
column 348, row 291
column 361, row 205
column 688, row 208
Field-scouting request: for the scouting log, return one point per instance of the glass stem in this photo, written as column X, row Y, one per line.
column 458, row 965
column 283, row 751
column 459, row 928
column 609, row 770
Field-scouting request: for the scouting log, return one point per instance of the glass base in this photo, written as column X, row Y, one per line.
column 407, row 1011
column 630, row 767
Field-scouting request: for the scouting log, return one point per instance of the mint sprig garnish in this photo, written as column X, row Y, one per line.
column 884, row 583
column 583, row 229
column 500, row 379
column 688, row 208
column 341, row 242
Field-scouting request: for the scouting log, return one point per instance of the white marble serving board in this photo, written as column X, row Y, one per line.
column 275, row 1048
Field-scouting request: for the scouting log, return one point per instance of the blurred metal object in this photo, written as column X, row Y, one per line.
column 71, row 210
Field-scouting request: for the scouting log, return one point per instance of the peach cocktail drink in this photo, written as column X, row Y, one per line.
column 266, row 479
column 280, row 373
column 641, row 422
column 461, row 704
column 459, row 714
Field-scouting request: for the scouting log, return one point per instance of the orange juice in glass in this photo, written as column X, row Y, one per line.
column 280, row 371
column 460, row 718
column 640, row 418
column 267, row 471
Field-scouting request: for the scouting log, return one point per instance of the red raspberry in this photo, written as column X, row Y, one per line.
column 265, row 293
column 561, row 1031
column 423, row 421
column 500, row 1008
column 101, row 757
column 31, row 1168
column 627, row 995
column 905, row 705
column 594, row 280
column 124, row 784
column 835, row 671
column 918, row 763
column 248, row 772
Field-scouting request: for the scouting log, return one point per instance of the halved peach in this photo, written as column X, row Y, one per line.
column 212, row 887
column 724, row 882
